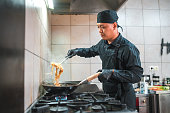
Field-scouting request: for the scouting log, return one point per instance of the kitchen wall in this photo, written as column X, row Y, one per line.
column 145, row 23
column 37, row 48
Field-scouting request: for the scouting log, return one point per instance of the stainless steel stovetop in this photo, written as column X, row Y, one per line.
column 85, row 102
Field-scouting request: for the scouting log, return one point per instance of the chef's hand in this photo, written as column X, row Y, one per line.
column 72, row 52
column 105, row 75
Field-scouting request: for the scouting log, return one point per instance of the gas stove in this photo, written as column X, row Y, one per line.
column 85, row 102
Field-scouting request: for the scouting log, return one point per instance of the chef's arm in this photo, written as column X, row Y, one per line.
column 133, row 70
column 85, row 52
column 88, row 52
column 132, row 76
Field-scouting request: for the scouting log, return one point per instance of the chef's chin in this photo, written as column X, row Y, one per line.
column 104, row 38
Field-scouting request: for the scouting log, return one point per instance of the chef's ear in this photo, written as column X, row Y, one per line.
column 114, row 25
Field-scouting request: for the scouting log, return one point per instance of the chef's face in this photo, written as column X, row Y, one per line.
column 106, row 30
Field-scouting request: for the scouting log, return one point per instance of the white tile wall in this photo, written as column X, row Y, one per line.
column 134, row 17
column 60, row 34
column 165, row 34
column 59, row 52
column 164, row 4
column 152, row 4
column 151, row 17
column 152, row 35
column 121, row 14
column 37, row 48
column 60, row 20
column 93, row 19
column 29, row 35
column 135, row 35
column 152, row 53
column 164, row 17
column 137, row 4
column 79, row 19
column 80, row 35
column 80, row 71
column 28, row 79
column 166, row 70
column 36, row 77
column 37, row 36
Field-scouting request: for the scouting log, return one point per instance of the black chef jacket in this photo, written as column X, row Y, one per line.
column 122, row 56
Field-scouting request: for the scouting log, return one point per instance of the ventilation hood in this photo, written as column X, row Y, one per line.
column 85, row 6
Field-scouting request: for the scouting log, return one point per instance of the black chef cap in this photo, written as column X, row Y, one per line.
column 107, row 16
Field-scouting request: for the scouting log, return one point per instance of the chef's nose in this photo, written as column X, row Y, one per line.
column 100, row 30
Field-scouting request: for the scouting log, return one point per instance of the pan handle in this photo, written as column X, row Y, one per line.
column 90, row 78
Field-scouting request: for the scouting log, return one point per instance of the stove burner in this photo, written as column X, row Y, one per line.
column 40, row 108
column 59, row 98
column 115, row 106
column 96, row 108
column 58, row 109
column 79, row 104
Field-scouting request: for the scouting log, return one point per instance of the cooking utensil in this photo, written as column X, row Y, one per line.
column 67, row 88
column 67, row 57
column 90, row 78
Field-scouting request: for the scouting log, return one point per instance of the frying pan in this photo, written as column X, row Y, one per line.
column 67, row 87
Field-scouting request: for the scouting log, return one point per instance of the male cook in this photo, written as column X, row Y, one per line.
column 121, row 66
